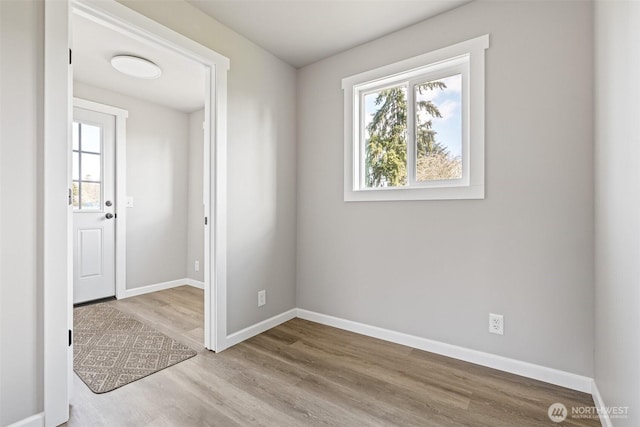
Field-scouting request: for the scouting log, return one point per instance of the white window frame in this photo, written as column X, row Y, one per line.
column 80, row 151
column 465, row 58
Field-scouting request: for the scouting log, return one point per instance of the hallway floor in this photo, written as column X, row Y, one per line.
column 302, row 373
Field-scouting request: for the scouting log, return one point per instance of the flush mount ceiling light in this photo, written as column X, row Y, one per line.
column 136, row 67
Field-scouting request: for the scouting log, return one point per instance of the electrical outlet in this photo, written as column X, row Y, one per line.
column 196, row 266
column 262, row 298
column 496, row 324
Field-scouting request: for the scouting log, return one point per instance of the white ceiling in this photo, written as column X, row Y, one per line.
column 298, row 31
column 301, row 32
column 181, row 85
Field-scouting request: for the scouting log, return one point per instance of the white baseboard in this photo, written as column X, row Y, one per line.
column 153, row 288
column 525, row 369
column 259, row 328
column 36, row 420
column 195, row 283
column 605, row 421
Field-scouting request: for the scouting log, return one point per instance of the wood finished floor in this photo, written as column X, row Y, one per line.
column 302, row 373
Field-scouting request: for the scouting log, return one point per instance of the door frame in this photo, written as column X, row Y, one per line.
column 57, row 256
column 120, row 187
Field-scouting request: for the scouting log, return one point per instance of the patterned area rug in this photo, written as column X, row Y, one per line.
column 111, row 349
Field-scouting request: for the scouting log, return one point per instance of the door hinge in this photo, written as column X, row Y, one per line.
column 70, row 337
column 70, row 197
column 70, row 56
column 206, row 220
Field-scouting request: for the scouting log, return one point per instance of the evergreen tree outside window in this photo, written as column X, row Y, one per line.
column 414, row 130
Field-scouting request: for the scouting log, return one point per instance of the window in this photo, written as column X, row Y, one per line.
column 414, row 130
column 87, row 167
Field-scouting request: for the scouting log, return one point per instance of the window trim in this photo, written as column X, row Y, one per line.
column 459, row 67
column 80, row 180
column 470, row 54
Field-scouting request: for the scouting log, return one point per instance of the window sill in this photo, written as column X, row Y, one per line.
column 415, row 193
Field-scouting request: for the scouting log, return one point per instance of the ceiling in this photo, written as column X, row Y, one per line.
column 181, row 86
column 301, row 32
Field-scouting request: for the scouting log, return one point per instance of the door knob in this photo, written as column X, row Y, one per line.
column 109, row 215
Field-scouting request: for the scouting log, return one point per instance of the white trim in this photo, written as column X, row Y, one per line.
column 117, row 17
column 442, row 54
column 147, row 289
column 121, row 202
column 56, row 177
column 120, row 185
column 605, row 420
column 100, row 108
column 207, row 161
column 525, row 369
column 469, row 56
column 36, row 420
column 57, row 251
column 260, row 327
column 217, row 194
column 195, row 283
column 122, row 19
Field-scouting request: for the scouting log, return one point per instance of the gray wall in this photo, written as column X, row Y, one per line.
column 157, row 179
column 195, row 220
column 435, row 269
column 261, row 164
column 21, row 78
column 261, row 188
column 525, row 251
column 617, row 335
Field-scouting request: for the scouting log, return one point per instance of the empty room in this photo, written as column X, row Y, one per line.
column 344, row 213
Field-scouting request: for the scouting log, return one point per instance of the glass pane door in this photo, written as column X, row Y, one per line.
column 87, row 167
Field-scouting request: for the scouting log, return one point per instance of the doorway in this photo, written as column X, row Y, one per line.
column 154, row 171
column 57, row 265
column 93, row 190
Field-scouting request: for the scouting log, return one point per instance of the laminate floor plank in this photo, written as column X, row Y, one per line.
column 386, row 367
column 305, row 374
column 332, row 392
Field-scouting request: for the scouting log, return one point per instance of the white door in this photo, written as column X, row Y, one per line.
column 94, row 219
